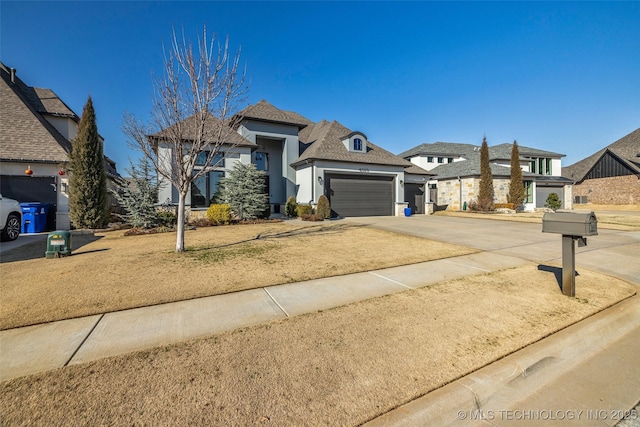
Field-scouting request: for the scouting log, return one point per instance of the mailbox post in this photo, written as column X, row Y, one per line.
column 572, row 226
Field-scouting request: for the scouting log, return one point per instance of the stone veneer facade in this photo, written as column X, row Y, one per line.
column 449, row 191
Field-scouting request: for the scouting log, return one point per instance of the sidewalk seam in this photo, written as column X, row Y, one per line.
column 277, row 303
column 391, row 280
column 84, row 340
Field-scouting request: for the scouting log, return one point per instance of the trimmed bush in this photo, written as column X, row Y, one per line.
column 219, row 214
column 166, row 218
column 304, row 210
column 323, row 210
column 291, row 208
column 553, row 201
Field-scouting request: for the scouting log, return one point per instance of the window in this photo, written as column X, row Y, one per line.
column 450, row 160
column 262, row 161
column 204, row 189
column 357, row 144
column 440, row 159
column 547, row 167
column 430, row 159
column 528, row 192
column 217, row 162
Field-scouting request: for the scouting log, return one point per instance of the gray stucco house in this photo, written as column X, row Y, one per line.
column 305, row 159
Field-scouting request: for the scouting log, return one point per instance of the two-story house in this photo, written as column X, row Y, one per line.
column 35, row 141
column 457, row 173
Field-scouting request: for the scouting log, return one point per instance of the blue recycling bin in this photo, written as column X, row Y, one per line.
column 407, row 211
column 34, row 217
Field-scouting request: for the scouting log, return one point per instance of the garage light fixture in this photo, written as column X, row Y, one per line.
column 320, row 180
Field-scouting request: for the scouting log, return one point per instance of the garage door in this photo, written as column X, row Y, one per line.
column 360, row 195
column 543, row 192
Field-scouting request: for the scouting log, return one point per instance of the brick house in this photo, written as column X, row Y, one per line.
column 609, row 176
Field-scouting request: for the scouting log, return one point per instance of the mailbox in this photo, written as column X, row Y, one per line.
column 570, row 224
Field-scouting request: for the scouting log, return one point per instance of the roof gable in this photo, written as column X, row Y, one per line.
column 323, row 141
column 626, row 150
column 25, row 135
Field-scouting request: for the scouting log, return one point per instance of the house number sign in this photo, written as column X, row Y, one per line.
column 363, row 170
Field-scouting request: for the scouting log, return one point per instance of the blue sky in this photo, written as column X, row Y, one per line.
column 558, row 76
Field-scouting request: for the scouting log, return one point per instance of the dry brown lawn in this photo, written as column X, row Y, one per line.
column 110, row 271
column 342, row 366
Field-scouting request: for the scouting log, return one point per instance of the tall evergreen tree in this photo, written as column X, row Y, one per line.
column 88, row 181
column 516, row 187
column 485, row 196
column 244, row 189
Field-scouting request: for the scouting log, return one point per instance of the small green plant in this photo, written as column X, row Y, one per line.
column 219, row 214
column 304, row 210
column 553, row 201
column 166, row 218
column 323, row 210
column 291, row 208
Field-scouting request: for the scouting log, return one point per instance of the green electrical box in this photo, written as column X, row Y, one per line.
column 58, row 244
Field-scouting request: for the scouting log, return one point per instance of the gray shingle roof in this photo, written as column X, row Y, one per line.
column 626, row 149
column 228, row 134
column 445, row 149
column 453, row 149
column 503, row 151
column 471, row 167
column 264, row 111
column 25, row 135
column 417, row 170
column 323, row 141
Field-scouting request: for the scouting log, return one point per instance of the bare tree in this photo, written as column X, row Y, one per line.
column 193, row 113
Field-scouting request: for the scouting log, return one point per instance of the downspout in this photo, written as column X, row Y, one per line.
column 313, row 181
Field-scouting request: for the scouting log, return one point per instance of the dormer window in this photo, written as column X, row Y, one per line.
column 355, row 141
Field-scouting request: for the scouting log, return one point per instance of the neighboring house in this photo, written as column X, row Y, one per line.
column 305, row 159
column 457, row 173
column 36, row 131
column 610, row 176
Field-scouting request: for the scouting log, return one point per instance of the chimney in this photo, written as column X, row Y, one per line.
column 13, row 74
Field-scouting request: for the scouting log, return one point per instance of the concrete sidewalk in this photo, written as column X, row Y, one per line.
column 53, row 345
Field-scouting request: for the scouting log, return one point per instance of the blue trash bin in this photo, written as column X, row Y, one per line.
column 34, row 217
column 407, row 211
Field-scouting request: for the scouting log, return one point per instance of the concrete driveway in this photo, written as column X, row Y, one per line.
column 611, row 252
column 23, row 239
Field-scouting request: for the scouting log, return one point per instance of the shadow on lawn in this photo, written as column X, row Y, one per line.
column 37, row 249
column 557, row 271
column 310, row 230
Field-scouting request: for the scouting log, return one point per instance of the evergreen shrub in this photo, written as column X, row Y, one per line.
column 304, row 210
column 291, row 208
column 323, row 210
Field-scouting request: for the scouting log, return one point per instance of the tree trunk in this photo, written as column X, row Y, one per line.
column 180, row 224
